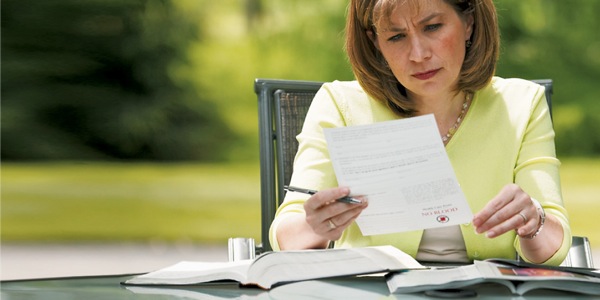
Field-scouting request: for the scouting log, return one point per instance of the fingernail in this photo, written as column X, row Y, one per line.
column 490, row 234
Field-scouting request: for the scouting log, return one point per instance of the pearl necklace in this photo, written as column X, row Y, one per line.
column 452, row 130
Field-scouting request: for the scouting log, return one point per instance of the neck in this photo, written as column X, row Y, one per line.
column 448, row 111
column 444, row 108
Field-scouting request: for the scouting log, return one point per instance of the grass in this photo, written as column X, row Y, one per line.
column 72, row 202
column 100, row 202
column 581, row 193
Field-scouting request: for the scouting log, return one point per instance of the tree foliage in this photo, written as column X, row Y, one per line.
column 98, row 80
column 160, row 79
column 558, row 39
column 540, row 39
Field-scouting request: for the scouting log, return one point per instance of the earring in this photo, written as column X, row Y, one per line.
column 468, row 43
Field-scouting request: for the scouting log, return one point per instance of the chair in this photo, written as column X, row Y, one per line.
column 282, row 107
column 580, row 254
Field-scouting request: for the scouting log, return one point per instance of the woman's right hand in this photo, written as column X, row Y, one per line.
column 327, row 217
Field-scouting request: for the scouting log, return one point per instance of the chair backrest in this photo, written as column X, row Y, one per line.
column 547, row 84
column 282, row 107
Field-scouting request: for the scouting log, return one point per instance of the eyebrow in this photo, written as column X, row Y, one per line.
column 422, row 21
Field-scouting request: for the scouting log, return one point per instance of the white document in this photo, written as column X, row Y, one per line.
column 402, row 168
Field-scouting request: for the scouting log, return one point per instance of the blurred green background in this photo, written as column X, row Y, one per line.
column 137, row 119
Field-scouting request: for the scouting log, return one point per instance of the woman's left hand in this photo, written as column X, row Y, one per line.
column 511, row 209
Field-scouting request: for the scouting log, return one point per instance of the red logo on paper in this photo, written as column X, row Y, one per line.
column 442, row 219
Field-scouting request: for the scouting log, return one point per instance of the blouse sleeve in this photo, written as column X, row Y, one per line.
column 537, row 171
column 312, row 165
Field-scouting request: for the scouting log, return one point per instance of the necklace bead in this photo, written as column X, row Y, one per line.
column 452, row 130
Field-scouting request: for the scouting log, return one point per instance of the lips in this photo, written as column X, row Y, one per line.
column 426, row 75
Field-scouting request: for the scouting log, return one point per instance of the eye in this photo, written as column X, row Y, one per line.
column 433, row 27
column 397, row 37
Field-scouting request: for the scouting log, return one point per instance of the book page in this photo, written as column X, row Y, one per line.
column 517, row 280
column 509, row 272
column 188, row 272
column 525, row 279
column 288, row 266
column 402, row 168
column 424, row 280
column 276, row 267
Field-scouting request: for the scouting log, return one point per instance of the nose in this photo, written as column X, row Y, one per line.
column 419, row 49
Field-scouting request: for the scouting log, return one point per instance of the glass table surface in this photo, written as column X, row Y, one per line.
column 370, row 287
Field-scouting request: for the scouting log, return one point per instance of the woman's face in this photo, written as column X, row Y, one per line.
column 424, row 47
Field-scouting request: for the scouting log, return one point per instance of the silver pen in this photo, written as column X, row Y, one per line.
column 346, row 199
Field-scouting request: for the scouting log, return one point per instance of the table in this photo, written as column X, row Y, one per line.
column 109, row 287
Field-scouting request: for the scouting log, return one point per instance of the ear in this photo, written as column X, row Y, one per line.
column 373, row 37
column 469, row 26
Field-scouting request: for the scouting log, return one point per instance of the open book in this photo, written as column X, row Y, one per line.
column 519, row 280
column 273, row 268
column 193, row 292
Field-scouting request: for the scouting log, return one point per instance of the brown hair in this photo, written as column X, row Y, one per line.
column 372, row 72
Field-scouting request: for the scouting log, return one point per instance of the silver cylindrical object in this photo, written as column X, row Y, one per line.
column 241, row 248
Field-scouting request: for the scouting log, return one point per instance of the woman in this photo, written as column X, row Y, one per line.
column 437, row 57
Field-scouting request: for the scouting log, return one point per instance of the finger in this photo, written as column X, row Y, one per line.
column 345, row 217
column 326, row 197
column 334, row 230
column 529, row 227
column 517, row 215
column 319, row 210
column 504, row 197
column 331, row 220
column 515, row 222
column 332, row 234
column 500, row 216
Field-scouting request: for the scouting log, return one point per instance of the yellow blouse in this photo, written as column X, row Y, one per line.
column 506, row 137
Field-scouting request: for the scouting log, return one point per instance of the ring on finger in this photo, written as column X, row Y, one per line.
column 331, row 224
column 524, row 218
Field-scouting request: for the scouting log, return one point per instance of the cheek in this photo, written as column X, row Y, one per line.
column 397, row 61
column 453, row 48
column 399, row 68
